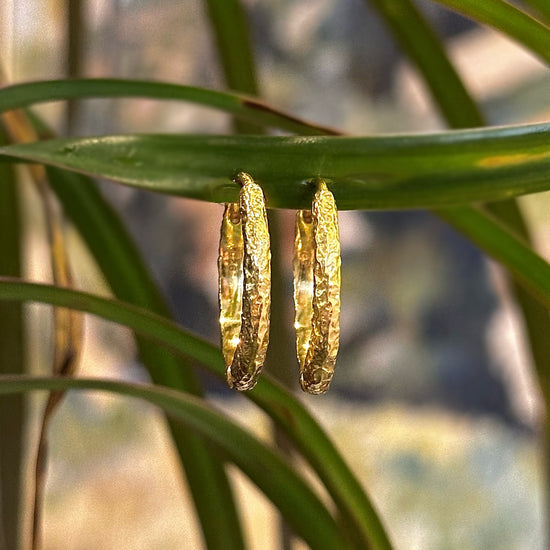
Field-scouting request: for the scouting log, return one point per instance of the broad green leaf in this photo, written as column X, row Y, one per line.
column 278, row 403
column 12, row 361
column 286, row 489
column 407, row 171
column 242, row 106
column 509, row 20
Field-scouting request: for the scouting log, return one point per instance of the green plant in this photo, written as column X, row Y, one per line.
column 447, row 172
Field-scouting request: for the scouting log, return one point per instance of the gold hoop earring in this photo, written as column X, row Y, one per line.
column 317, row 291
column 244, row 284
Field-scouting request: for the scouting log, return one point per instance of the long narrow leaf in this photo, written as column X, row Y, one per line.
column 541, row 8
column 245, row 107
column 231, row 34
column 12, row 345
column 431, row 170
column 75, row 54
column 527, row 267
column 228, row 20
column 130, row 280
column 421, row 45
column 426, row 51
column 281, row 406
column 68, row 328
column 507, row 19
column 288, row 491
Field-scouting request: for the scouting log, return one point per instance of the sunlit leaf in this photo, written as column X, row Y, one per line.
column 405, row 171
column 287, row 490
column 277, row 402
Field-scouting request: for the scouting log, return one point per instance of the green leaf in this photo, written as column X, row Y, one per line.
column 12, row 361
column 278, row 403
column 541, row 8
column 422, row 46
column 288, row 491
column 242, row 106
column 426, row 52
column 130, row 280
column 228, row 20
column 431, row 170
column 507, row 19
column 231, row 32
column 525, row 266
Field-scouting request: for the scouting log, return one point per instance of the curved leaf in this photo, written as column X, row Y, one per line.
column 228, row 21
column 424, row 49
column 288, row 491
column 431, row 170
column 231, row 32
column 542, row 8
column 130, row 280
column 422, row 46
column 13, row 412
column 240, row 105
column 278, row 403
column 507, row 19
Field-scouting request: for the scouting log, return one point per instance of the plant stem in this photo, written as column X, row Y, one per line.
column 12, row 361
column 76, row 34
column 279, row 360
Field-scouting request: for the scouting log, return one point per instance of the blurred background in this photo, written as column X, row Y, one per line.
column 433, row 402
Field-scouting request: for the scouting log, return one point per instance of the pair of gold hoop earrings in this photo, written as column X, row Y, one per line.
column 244, row 267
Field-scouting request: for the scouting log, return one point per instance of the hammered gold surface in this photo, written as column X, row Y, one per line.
column 230, row 279
column 245, row 342
column 304, row 259
column 317, row 282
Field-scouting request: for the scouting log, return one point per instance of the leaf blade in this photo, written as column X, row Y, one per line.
column 12, row 360
column 509, row 20
column 284, row 408
column 130, row 280
column 420, row 43
column 428, row 170
column 228, row 21
column 288, row 491
column 245, row 107
column 425, row 50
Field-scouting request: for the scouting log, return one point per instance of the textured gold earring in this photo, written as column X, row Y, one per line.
column 244, row 284
column 317, row 291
